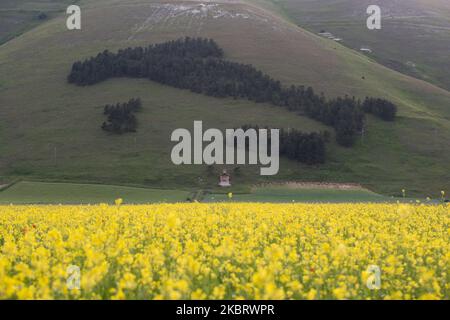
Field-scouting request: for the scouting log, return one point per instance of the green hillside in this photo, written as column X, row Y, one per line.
column 19, row 16
column 50, row 130
column 414, row 39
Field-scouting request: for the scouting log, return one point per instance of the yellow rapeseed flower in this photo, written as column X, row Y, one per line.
column 224, row 251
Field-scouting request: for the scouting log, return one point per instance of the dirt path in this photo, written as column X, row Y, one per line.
column 314, row 185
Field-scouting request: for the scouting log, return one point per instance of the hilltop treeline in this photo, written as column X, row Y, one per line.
column 121, row 116
column 308, row 148
column 198, row 65
column 164, row 62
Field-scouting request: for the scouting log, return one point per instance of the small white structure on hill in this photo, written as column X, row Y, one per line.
column 224, row 179
column 366, row 50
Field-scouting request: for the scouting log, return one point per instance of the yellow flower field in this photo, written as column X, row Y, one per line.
column 225, row 251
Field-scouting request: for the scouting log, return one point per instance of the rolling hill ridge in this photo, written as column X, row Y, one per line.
column 414, row 38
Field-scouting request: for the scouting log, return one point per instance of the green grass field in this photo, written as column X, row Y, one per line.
column 287, row 195
column 70, row 193
column 50, row 130
column 26, row 192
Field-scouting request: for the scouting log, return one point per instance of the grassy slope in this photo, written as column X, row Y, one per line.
column 51, row 114
column 414, row 39
column 19, row 16
column 70, row 193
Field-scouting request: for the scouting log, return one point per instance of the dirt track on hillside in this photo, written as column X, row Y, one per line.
column 314, row 185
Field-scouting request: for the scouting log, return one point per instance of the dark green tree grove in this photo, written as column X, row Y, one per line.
column 121, row 118
column 308, row 148
column 198, row 65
